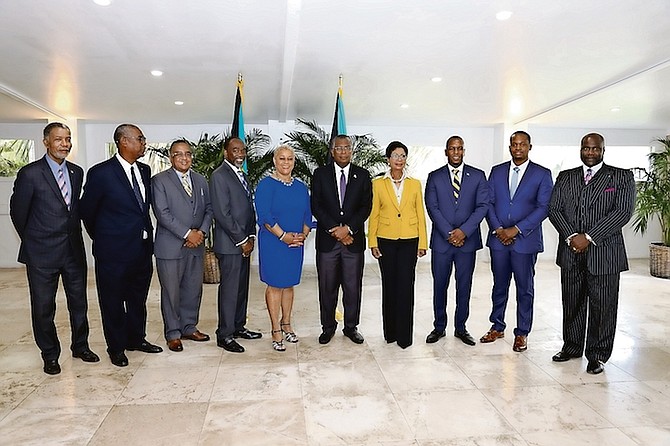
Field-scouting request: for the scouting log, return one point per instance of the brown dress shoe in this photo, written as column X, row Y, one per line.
column 175, row 345
column 491, row 336
column 197, row 336
column 520, row 344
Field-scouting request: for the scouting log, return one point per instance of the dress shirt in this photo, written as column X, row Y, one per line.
column 55, row 167
column 126, row 168
column 398, row 185
column 522, row 170
column 338, row 172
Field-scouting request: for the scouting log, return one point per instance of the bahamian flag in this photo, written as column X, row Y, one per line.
column 238, row 117
column 339, row 122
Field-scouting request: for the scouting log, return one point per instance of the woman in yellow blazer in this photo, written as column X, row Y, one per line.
column 397, row 236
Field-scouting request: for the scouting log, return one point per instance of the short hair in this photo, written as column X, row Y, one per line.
column 122, row 130
column 229, row 139
column 283, row 147
column 594, row 135
column 394, row 145
column 340, row 136
column 178, row 141
column 452, row 137
column 52, row 125
column 519, row 132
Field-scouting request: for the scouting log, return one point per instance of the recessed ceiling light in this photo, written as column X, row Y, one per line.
column 156, row 73
column 615, row 109
column 404, row 105
column 503, row 15
column 436, row 79
column 178, row 102
column 102, row 2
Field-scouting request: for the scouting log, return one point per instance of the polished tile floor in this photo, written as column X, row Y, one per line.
column 341, row 393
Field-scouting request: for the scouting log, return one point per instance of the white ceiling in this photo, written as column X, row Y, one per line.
column 561, row 63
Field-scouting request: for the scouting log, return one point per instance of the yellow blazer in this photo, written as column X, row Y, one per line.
column 392, row 221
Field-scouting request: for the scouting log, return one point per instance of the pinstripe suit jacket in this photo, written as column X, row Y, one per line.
column 599, row 209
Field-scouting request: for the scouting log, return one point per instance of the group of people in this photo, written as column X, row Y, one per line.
column 589, row 205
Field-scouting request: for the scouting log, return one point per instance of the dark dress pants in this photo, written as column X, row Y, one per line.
column 233, row 294
column 398, row 266
column 335, row 268
column 43, row 284
column 441, row 264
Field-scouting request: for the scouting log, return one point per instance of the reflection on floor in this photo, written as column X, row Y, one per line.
column 341, row 393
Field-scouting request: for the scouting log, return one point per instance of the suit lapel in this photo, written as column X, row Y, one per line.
column 51, row 181
column 390, row 190
column 123, row 178
column 175, row 179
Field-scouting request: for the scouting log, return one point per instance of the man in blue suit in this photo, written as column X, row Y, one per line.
column 115, row 211
column 457, row 199
column 520, row 195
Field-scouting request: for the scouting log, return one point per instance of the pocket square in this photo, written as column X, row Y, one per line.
column 609, row 189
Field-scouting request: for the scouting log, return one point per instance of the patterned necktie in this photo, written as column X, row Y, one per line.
column 588, row 176
column 343, row 187
column 515, row 182
column 136, row 188
column 244, row 181
column 187, row 185
column 63, row 187
column 456, row 183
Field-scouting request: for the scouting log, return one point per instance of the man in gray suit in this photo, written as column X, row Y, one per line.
column 183, row 213
column 234, row 235
column 44, row 208
column 589, row 206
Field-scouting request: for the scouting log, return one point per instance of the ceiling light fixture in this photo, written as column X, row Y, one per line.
column 404, row 105
column 503, row 15
column 156, row 73
column 615, row 109
column 102, row 2
column 436, row 79
column 178, row 102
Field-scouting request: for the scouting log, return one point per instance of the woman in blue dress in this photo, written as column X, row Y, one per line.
column 284, row 221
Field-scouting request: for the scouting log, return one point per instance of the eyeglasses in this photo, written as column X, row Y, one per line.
column 592, row 149
column 398, row 156
column 182, row 155
column 342, row 149
column 140, row 138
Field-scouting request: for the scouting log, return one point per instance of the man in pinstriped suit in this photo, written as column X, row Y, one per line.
column 589, row 206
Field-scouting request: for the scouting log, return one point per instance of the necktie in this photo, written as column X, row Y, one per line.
column 343, row 187
column 456, row 183
column 514, row 183
column 588, row 176
column 187, row 185
column 244, row 181
column 136, row 188
column 63, row 187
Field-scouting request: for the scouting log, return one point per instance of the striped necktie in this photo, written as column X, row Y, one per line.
column 588, row 176
column 187, row 185
column 456, row 183
column 63, row 187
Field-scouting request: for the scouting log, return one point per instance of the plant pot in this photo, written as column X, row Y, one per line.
column 212, row 273
column 659, row 260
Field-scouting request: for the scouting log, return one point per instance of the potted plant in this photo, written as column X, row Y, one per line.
column 653, row 201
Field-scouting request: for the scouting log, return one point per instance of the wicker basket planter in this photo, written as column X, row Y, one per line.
column 212, row 273
column 659, row 260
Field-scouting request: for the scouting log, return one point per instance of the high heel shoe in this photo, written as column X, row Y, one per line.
column 278, row 345
column 289, row 335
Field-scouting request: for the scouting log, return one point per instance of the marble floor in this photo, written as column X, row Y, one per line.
column 341, row 393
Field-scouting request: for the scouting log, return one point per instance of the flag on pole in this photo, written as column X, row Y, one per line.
column 238, row 117
column 339, row 122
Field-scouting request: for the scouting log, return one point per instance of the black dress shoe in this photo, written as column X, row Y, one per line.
column 434, row 336
column 563, row 356
column 465, row 337
column 86, row 356
column 354, row 335
column 230, row 345
column 247, row 334
column 51, row 367
column 326, row 336
column 145, row 347
column 119, row 359
column 594, row 367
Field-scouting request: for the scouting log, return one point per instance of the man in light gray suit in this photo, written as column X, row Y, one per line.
column 589, row 206
column 184, row 214
column 234, row 235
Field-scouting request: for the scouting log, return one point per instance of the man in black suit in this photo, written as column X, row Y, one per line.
column 44, row 208
column 234, row 236
column 341, row 202
column 589, row 206
column 115, row 210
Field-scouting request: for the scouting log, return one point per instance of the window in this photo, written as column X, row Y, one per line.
column 14, row 154
column 153, row 156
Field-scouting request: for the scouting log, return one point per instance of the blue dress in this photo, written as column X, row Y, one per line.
column 288, row 205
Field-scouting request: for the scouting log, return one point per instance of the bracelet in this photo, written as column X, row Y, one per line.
column 281, row 237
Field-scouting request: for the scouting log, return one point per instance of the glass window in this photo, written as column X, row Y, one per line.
column 14, row 154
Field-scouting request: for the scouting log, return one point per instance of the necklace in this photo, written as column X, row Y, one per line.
column 285, row 183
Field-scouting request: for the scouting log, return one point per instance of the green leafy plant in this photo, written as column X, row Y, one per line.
column 653, row 193
column 14, row 154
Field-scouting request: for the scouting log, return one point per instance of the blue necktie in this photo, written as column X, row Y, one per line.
column 514, row 183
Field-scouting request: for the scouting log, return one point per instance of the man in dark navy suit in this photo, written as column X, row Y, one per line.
column 115, row 210
column 44, row 208
column 457, row 199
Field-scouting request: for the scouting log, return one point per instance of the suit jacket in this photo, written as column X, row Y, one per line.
column 599, row 209
column 328, row 212
column 526, row 210
column 393, row 221
column 48, row 230
column 176, row 213
column 233, row 210
column 466, row 214
column 111, row 214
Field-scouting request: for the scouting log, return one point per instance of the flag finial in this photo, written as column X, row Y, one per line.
column 239, row 77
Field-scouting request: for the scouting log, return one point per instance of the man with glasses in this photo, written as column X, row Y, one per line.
column 115, row 211
column 341, row 202
column 589, row 206
column 183, row 213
